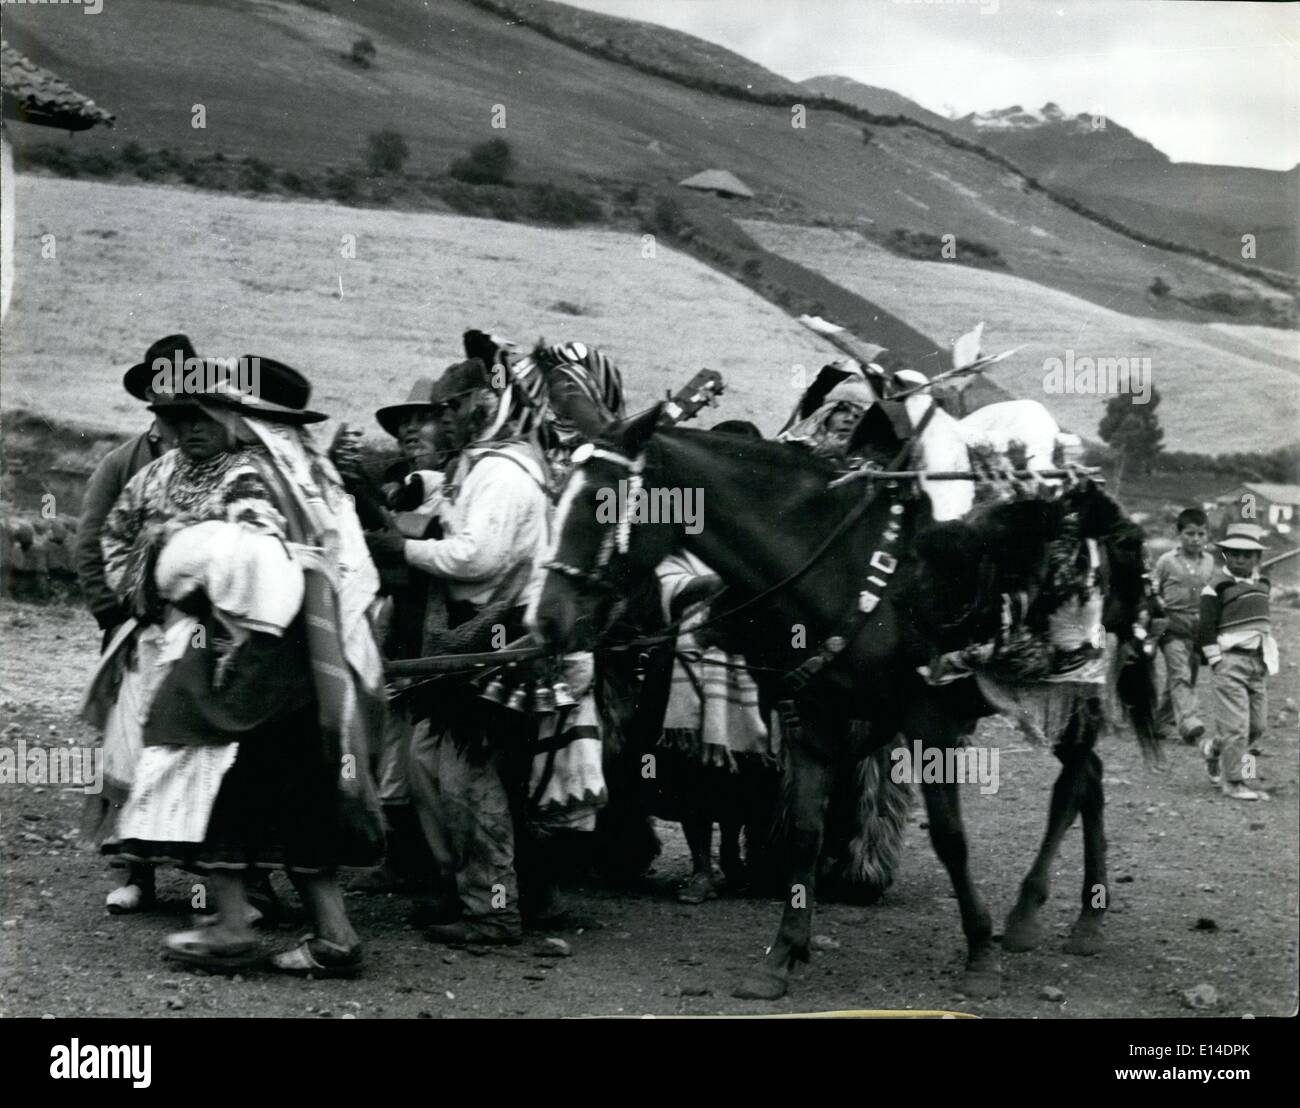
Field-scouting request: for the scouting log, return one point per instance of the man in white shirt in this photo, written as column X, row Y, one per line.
column 494, row 508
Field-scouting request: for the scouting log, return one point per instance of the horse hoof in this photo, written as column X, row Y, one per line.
column 1085, row 939
column 983, row 976
column 761, row 986
column 982, row 983
column 1023, row 932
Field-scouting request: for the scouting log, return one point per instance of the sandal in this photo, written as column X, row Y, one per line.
column 129, row 898
column 254, row 918
column 196, row 948
column 316, row 957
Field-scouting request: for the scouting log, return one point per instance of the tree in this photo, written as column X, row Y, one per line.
column 363, row 50
column 386, row 152
column 489, row 163
column 1133, row 430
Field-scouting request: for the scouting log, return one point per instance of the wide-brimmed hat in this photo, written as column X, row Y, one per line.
column 253, row 386
column 1241, row 536
column 166, row 356
column 455, row 382
column 423, row 397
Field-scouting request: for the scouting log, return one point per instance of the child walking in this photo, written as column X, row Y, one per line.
column 1236, row 636
column 1180, row 576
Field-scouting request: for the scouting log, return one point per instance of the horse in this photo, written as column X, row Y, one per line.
column 868, row 808
column 795, row 554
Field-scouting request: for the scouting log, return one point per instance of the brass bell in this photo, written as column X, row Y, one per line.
column 518, row 701
column 495, row 689
column 563, row 695
column 544, row 699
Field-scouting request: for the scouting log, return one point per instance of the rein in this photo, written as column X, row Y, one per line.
column 882, row 561
column 597, row 580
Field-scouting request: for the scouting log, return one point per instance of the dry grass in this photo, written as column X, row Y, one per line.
column 264, row 277
column 1224, row 388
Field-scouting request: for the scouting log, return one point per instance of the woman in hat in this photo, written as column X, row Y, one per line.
column 255, row 681
column 112, row 473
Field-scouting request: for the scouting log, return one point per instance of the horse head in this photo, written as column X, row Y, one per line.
column 597, row 553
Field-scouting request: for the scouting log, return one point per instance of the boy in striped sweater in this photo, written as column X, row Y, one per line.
column 1236, row 637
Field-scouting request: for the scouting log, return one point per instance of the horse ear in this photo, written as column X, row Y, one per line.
column 633, row 434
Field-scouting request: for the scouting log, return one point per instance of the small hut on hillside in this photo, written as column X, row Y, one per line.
column 720, row 182
column 30, row 94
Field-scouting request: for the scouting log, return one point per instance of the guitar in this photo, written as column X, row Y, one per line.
column 701, row 391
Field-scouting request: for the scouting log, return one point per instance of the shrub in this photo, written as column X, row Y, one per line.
column 255, row 175
column 97, row 164
column 1159, row 287
column 386, row 152
column 668, row 218
column 929, row 248
column 54, row 156
column 170, row 161
column 503, row 204
column 567, row 307
column 363, row 52
column 489, row 163
column 341, row 184
column 553, row 204
column 291, row 181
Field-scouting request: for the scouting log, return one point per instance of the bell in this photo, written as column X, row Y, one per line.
column 518, row 701
column 495, row 689
column 563, row 695
column 544, row 699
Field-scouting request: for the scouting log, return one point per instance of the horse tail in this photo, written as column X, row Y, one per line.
column 1135, row 690
column 1129, row 605
column 865, row 826
column 883, row 807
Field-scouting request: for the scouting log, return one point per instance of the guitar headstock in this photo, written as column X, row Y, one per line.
column 702, row 390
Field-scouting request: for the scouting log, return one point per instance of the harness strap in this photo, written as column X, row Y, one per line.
column 883, row 560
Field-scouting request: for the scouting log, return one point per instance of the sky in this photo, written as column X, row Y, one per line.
column 1214, row 82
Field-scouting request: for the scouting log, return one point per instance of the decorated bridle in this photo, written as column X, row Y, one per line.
column 701, row 391
column 617, row 539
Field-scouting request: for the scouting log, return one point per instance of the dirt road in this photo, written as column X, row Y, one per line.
column 1203, row 892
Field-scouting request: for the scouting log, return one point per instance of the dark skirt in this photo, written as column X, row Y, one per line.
column 280, row 806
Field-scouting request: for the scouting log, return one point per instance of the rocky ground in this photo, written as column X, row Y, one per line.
column 1203, row 918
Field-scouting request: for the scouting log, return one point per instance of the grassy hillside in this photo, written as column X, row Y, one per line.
column 439, row 70
column 1210, row 206
column 1223, row 389
column 134, row 263
column 1116, row 172
column 648, row 44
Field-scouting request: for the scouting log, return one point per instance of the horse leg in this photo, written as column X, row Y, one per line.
column 702, row 885
column 733, row 869
column 808, row 783
column 1023, row 930
column 983, row 976
column 1086, row 934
